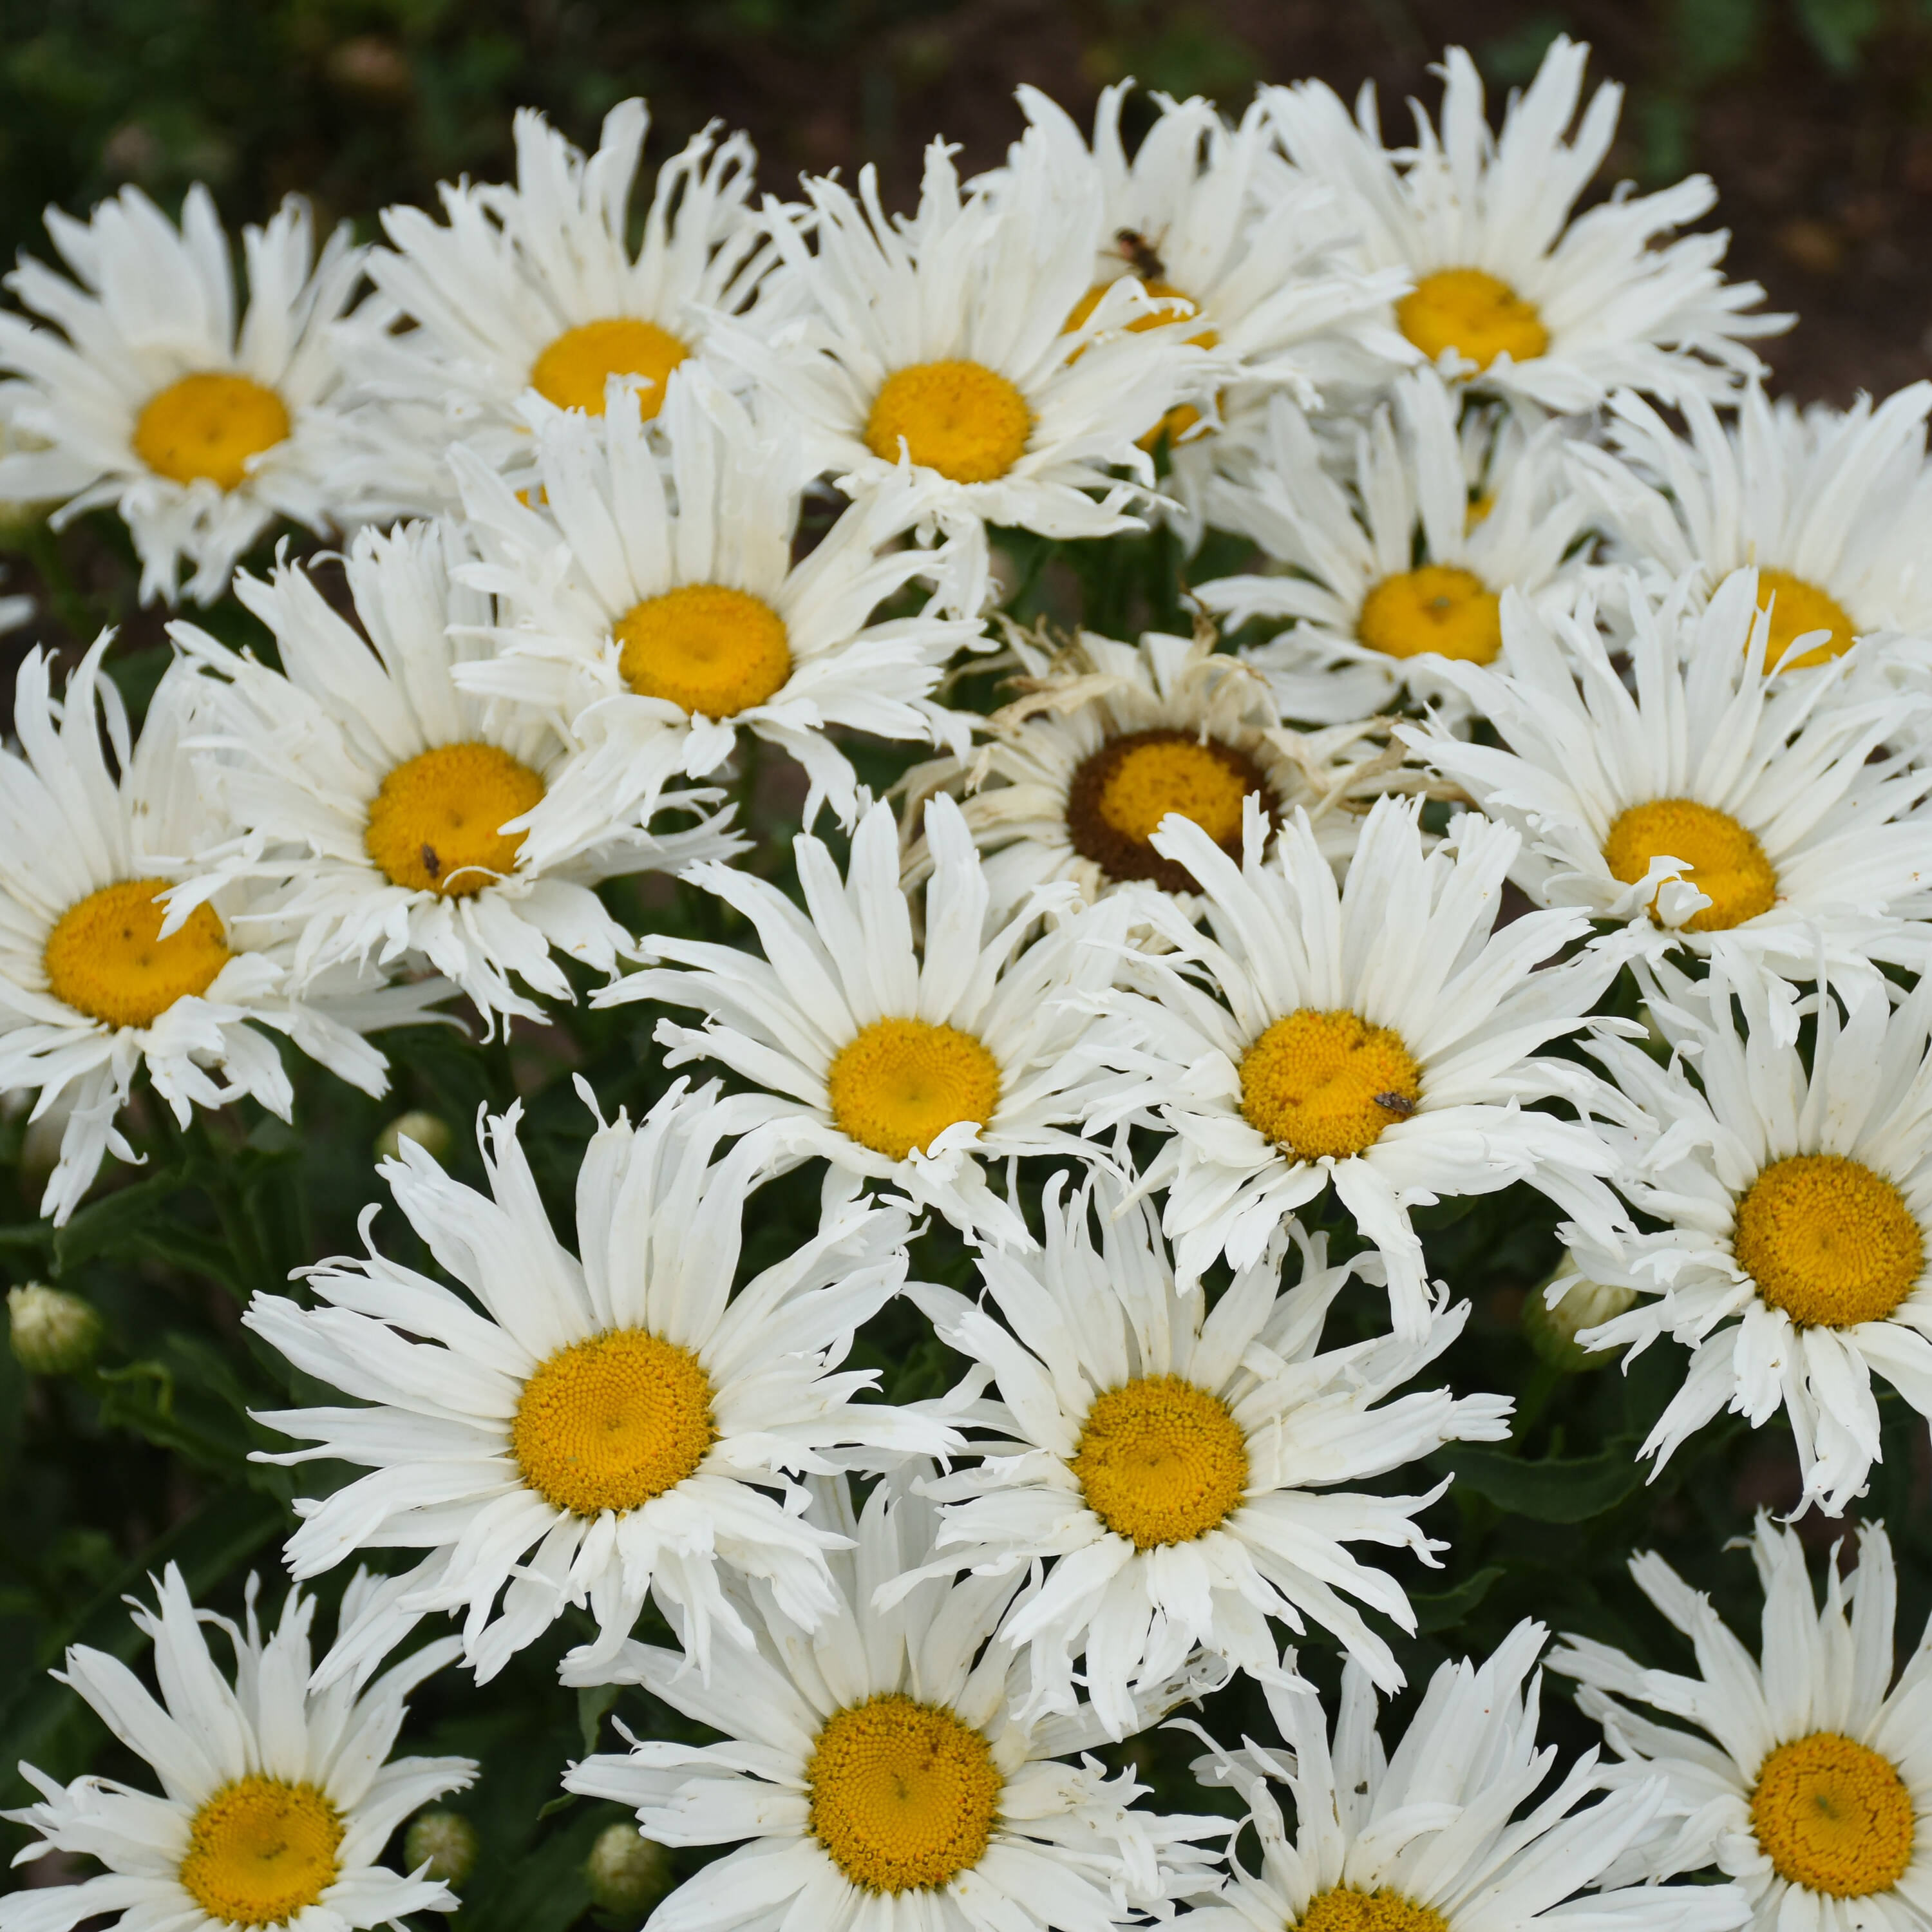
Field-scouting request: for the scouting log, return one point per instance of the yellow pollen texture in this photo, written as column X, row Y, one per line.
column 1326, row 1083
column 1119, row 794
column 1161, row 1460
column 1727, row 864
column 1797, row 607
column 572, row 371
column 435, row 823
column 961, row 418
column 259, row 1851
column 712, row 652
column 1828, row 1241
column 1833, row 1817
column 904, row 1795
column 1474, row 312
column 209, row 425
column 1345, row 1909
column 1441, row 607
column 898, row 1085
column 610, row 1423
column 106, row 957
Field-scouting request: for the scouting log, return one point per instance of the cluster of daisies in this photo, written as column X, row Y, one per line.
column 1174, row 985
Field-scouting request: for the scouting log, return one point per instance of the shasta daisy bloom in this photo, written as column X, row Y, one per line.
column 276, row 1799
column 1512, row 290
column 895, row 1061
column 1378, row 1035
column 586, row 1431
column 1184, row 1471
column 1453, row 1831
column 883, row 1770
column 146, row 395
column 1800, row 1773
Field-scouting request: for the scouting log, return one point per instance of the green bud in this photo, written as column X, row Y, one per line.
column 446, row 1841
column 53, row 1334
column 429, row 1131
column 626, row 1871
column 1552, row 1332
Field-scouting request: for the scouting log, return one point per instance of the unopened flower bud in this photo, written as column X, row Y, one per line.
column 429, row 1131
column 626, row 1871
column 53, row 1334
column 1552, row 1332
column 446, row 1841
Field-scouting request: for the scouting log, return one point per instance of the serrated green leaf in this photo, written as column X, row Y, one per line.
column 1558, row 1489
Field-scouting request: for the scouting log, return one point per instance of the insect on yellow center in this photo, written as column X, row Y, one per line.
column 435, row 823
column 259, row 1851
column 610, row 1423
column 209, row 425
column 904, row 1795
column 1440, row 607
column 713, row 653
column 572, row 371
column 1161, row 1461
column 1327, row 1083
column 1345, row 1910
column 106, row 957
column 1833, row 1817
column 1798, row 608
column 1474, row 312
column 1828, row 1241
column 898, row 1085
column 1726, row 863
column 1119, row 795
column 961, row 418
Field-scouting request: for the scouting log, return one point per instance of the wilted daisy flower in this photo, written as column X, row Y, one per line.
column 1707, row 795
column 589, row 1431
column 896, row 1059
column 1180, row 1468
column 395, row 810
column 1454, row 1831
column 276, row 1799
column 1378, row 1035
column 147, row 396
column 1510, row 292
column 883, row 1768
column 1805, row 1779
column 1402, row 567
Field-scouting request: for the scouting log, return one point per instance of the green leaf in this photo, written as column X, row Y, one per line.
column 1559, row 1488
column 1446, row 1609
column 1839, row 28
column 592, row 1701
column 113, row 1225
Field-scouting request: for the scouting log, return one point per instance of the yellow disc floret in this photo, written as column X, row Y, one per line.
column 712, row 652
column 209, row 425
column 1833, row 1817
column 572, row 371
column 261, row 1850
column 1797, row 608
column 904, row 1795
column 1161, row 1460
column 898, row 1085
column 1828, row 1241
column 1345, row 1909
column 106, row 957
column 1726, row 863
column 610, row 1423
column 1119, row 794
column 1325, row 1083
column 435, row 823
column 1440, row 607
column 961, row 418
column 1474, row 312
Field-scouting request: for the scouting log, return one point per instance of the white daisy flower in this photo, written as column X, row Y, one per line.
column 1382, row 576
column 1510, row 291
column 653, row 601
column 276, row 1799
column 598, row 1428
column 883, row 1770
column 395, row 810
column 1453, row 1831
column 897, row 1060
column 147, row 396
column 1805, row 1779
column 1706, row 797
column 1378, row 1035
column 1184, row 1471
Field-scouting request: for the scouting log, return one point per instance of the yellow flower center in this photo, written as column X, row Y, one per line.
column 1726, row 863
column 259, row 1851
column 712, row 652
column 961, row 418
column 1345, row 1909
column 106, row 957
column 436, row 824
column 904, row 1795
column 1474, row 312
column 1327, row 1083
column 1119, row 795
column 1161, row 1461
column 899, row 1084
column 1828, row 1241
column 1182, row 418
column 1833, row 1817
column 209, row 425
column 572, row 371
column 1797, row 607
column 609, row 1424
column 1440, row 607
